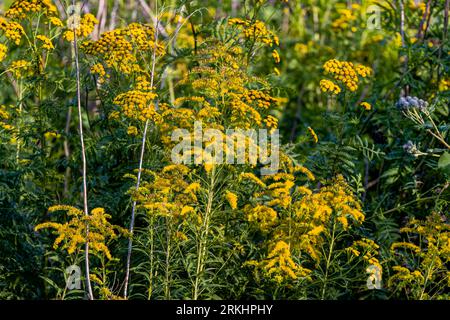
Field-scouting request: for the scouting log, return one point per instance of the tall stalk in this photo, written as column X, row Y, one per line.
column 203, row 241
column 83, row 158
column 328, row 262
column 141, row 161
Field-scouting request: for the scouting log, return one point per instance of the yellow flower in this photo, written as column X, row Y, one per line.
column 276, row 56
column 20, row 68
column 345, row 72
column 12, row 30
column 73, row 233
column 86, row 26
column 20, row 9
column 263, row 216
column 50, row 134
column 329, row 86
column 252, row 177
column 132, row 131
column 232, row 199
column 3, row 50
column 255, row 31
column 366, row 105
column 56, row 22
column 46, row 42
column 313, row 134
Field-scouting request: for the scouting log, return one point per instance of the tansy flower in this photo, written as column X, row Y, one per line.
column 56, row 21
column 20, row 68
column 3, row 50
column 46, row 42
column 366, row 105
column 329, row 86
column 12, row 30
column 132, row 131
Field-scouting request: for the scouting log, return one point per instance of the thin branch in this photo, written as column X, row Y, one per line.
column 141, row 161
column 83, row 158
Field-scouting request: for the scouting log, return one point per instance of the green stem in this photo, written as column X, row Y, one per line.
column 202, row 248
column 327, row 266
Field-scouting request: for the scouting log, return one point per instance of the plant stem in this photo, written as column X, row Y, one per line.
column 141, row 161
column 83, row 158
column 204, row 236
column 324, row 287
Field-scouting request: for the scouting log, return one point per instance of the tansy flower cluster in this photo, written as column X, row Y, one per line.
column 444, row 85
column 3, row 50
column 121, row 48
column 4, row 117
column 21, row 68
column 346, row 19
column 46, row 42
column 85, row 27
column 138, row 105
column 345, row 72
column 21, row 8
column 329, row 86
column 255, row 31
column 72, row 234
column 99, row 70
column 12, row 30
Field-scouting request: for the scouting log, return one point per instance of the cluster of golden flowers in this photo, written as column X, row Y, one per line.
column 255, row 31
column 232, row 199
column 418, row 5
column 275, row 192
column 4, row 116
column 46, row 42
column 12, row 30
column 367, row 249
column 21, row 68
column 138, row 105
column 246, row 109
column 21, row 8
column 347, row 18
column 424, row 258
column 85, row 27
column 279, row 265
column 345, row 72
column 99, row 70
column 122, row 48
column 56, row 21
column 168, row 193
column 72, row 234
column 444, row 85
column 332, row 206
column 329, row 86
column 3, row 50
column 220, row 78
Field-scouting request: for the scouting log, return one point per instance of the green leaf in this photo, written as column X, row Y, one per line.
column 444, row 163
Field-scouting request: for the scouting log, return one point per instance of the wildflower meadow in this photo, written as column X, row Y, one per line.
column 224, row 150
